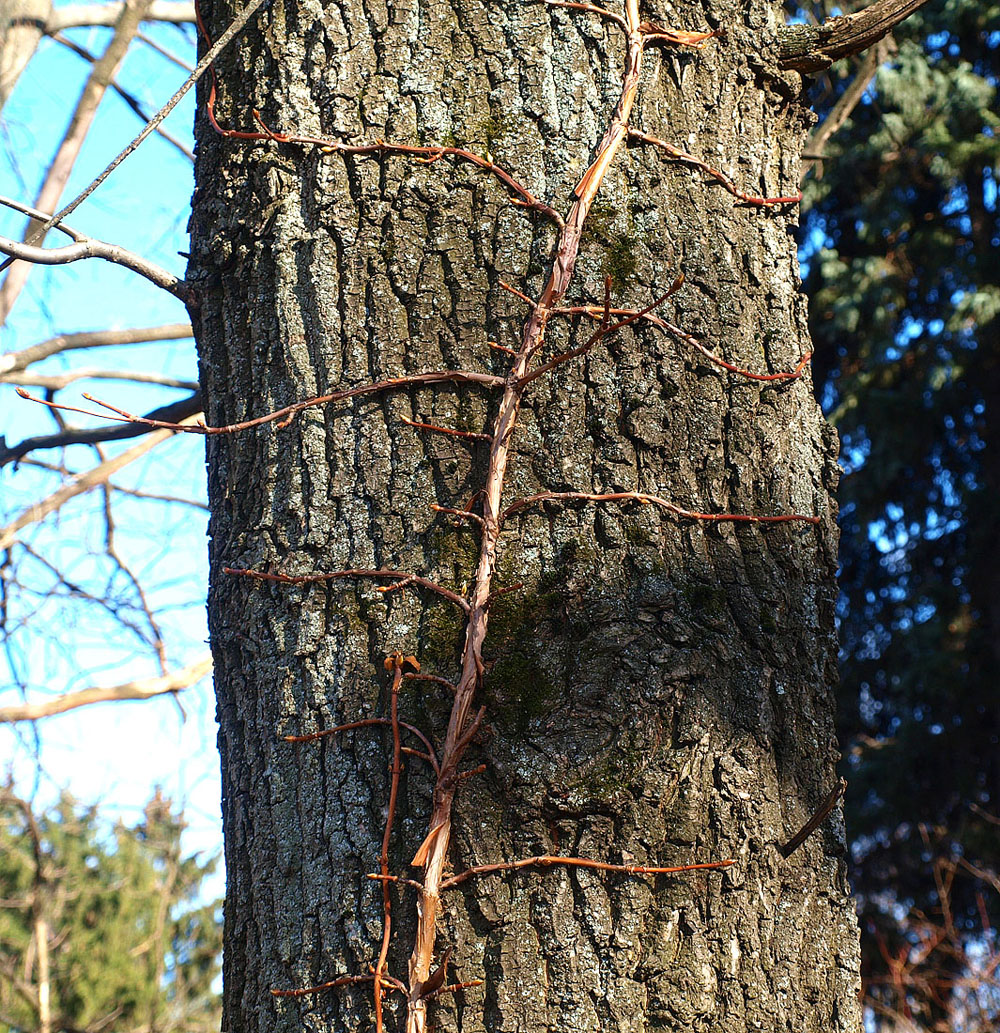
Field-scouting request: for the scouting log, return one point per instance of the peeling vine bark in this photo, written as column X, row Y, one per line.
column 658, row 691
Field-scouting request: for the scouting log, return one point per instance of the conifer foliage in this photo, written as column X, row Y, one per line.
column 903, row 249
column 103, row 930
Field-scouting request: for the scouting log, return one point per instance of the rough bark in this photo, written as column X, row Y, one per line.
column 659, row 691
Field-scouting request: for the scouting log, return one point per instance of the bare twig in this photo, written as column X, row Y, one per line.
column 171, row 418
column 595, row 312
column 58, row 381
column 84, row 247
column 369, row 722
column 282, row 417
column 689, row 159
column 522, row 196
column 130, row 99
column 841, row 111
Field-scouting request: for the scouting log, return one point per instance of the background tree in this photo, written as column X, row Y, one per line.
column 103, row 931
column 905, row 312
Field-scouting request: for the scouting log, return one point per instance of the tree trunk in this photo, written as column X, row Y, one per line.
column 658, row 691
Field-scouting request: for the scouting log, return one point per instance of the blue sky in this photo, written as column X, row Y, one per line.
column 59, row 641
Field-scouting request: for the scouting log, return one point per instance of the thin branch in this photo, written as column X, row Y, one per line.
column 653, row 500
column 811, row 48
column 841, row 111
column 309, row 579
column 13, row 361
column 130, row 99
column 144, row 688
column 548, row 861
column 595, row 312
column 342, row 981
column 523, row 197
column 163, row 52
column 592, row 9
column 436, row 679
column 603, row 330
column 90, row 247
column 469, row 435
column 370, row 722
column 82, row 483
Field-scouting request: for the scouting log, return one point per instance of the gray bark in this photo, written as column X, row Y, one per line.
column 660, row 690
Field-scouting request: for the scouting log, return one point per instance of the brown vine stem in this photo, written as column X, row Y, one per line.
column 549, row 860
column 308, row 579
column 371, row 722
column 393, row 663
column 689, row 159
column 283, row 417
column 533, row 335
column 597, row 312
column 653, row 500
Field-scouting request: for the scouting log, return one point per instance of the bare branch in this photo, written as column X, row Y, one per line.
column 689, row 159
column 402, row 578
column 841, row 111
column 58, row 381
column 595, row 312
column 102, row 73
column 14, row 361
column 176, row 417
column 91, row 248
column 83, row 247
column 282, row 417
column 523, row 197
column 178, row 12
column 79, row 485
column 144, row 688
column 163, row 52
column 811, row 48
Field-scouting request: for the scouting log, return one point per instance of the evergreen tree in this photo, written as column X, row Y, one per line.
column 904, row 284
column 107, row 926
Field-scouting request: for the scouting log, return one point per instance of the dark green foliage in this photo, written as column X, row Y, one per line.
column 903, row 248
column 130, row 946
